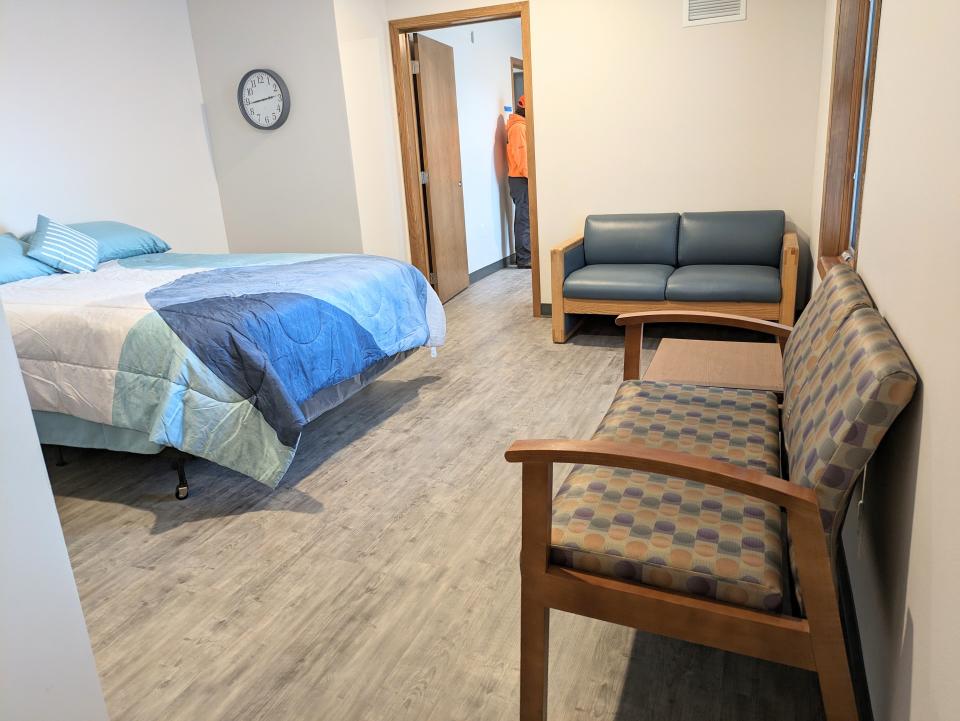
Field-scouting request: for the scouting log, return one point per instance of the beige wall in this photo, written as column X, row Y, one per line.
column 823, row 124
column 905, row 564
column 291, row 189
column 635, row 113
column 371, row 115
column 104, row 120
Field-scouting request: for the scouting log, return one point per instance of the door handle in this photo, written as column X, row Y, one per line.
column 460, row 183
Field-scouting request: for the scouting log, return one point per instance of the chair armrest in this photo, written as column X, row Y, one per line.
column 634, row 322
column 729, row 320
column 639, row 457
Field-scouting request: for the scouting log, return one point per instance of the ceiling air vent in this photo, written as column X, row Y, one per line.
column 705, row 12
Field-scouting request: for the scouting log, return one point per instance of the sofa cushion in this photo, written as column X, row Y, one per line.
column 618, row 282
column 635, row 238
column 735, row 425
column 753, row 237
column 745, row 283
column 670, row 532
column 839, row 294
column 848, row 401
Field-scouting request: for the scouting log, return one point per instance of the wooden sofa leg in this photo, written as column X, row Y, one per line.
column 534, row 653
column 559, row 319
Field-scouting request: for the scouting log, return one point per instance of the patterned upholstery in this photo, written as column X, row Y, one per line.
column 726, row 424
column 670, row 532
column 839, row 294
column 856, row 390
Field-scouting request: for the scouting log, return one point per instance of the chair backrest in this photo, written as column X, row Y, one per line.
column 634, row 238
column 743, row 237
column 848, row 400
column 839, row 294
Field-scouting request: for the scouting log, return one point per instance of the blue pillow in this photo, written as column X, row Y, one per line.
column 62, row 247
column 14, row 263
column 119, row 240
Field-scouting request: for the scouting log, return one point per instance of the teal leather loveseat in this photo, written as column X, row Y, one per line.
column 741, row 262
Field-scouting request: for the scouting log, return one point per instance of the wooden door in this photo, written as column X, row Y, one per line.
column 440, row 150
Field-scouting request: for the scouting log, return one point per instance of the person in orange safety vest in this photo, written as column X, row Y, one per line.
column 517, row 180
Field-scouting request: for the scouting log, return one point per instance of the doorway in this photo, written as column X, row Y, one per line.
column 448, row 245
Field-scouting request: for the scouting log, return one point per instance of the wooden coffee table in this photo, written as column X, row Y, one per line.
column 727, row 364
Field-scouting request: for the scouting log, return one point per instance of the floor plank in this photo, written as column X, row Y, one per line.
column 380, row 581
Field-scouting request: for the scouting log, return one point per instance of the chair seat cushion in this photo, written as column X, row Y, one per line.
column 670, row 532
column 618, row 282
column 742, row 283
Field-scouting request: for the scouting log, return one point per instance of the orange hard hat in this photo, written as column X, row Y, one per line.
column 522, row 101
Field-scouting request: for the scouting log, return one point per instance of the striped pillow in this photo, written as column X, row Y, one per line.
column 62, row 247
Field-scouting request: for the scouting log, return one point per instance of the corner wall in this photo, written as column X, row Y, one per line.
column 105, row 120
column 291, row 189
column 372, row 118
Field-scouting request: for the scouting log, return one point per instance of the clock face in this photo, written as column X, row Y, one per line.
column 263, row 99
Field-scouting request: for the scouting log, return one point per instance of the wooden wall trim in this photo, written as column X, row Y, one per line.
column 850, row 43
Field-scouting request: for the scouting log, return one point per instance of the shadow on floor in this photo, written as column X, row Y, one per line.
column 147, row 482
column 670, row 679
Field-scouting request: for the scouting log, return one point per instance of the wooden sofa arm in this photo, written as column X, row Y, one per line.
column 639, row 457
column 568, row 244
column 558, row 273
column 789, row 266
column 634, row 322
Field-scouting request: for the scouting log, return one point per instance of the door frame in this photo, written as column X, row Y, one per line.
column 407, row 117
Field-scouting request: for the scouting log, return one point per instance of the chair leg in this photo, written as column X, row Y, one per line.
column 836, row 686
column 534, row 652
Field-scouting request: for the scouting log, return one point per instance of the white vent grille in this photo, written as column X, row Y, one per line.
column 704, row 12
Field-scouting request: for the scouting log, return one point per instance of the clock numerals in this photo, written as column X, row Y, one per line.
column 262, row 99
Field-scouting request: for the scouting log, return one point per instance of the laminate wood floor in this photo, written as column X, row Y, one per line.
column 380, row 582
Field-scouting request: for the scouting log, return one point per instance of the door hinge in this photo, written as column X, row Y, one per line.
column 433, row 278
column 415, row 67
column 423, row 177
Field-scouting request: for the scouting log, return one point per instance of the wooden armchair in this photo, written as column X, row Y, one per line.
column 815, row 643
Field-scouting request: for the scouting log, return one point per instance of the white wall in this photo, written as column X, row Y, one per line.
column 291, row 189
column 481, row 55
column 905, row 565
column 47, row 671
column 371, row 116
column 103, row 119
column 721, row 117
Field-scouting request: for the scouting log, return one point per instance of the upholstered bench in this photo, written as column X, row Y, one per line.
column 676, row 516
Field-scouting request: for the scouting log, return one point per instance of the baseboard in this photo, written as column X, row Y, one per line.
column 491, row 269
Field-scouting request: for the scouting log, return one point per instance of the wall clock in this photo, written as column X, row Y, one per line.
column 263, row 99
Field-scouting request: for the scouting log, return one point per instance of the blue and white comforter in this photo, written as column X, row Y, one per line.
column 216, row 355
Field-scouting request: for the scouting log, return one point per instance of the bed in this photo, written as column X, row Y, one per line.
column 223, row 357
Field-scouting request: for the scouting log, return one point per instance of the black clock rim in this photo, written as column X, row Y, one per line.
column 283, row 89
